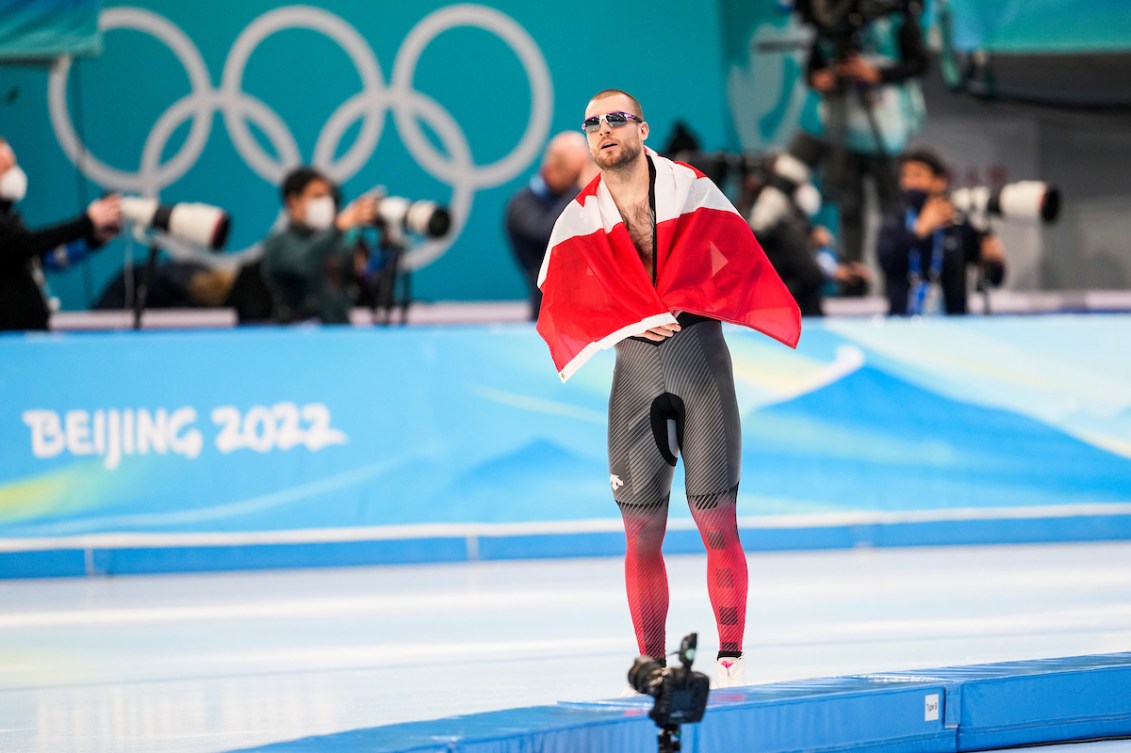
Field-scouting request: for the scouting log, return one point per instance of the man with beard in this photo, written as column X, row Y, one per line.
column 649, row 258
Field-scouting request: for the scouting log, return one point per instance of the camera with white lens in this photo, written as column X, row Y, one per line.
column 199, row 224
column 1024, row 200
column 400, row 215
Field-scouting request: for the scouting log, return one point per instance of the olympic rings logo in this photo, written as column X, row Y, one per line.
column 457, row 169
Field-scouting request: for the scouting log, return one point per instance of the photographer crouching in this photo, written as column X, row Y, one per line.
column 312, row 265
column 927, row 245
column 23, row 303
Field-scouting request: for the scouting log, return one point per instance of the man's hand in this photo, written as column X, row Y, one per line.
column 363, row 211
column 106, row 216
column 823, row 80
column 992, row 250
column 853, row 273
column 856, row 67
column 660, row 333
column 937, row 212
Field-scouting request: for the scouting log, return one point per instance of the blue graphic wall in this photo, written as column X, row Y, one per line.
column 461, row 442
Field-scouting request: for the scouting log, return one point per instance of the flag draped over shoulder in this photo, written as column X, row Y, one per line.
column 596, row 292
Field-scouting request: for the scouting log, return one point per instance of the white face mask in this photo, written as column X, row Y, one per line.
column 320, row 213
column 13, row 184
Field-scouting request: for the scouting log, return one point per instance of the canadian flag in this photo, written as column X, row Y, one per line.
column 596, row 292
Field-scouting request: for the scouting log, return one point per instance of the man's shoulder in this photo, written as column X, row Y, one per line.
column 281, row 239
column 525, row 200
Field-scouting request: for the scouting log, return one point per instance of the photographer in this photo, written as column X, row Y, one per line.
column 926, row 246
column 311, row 265
column 23, row 305
column 864, row 66
column 800, row 250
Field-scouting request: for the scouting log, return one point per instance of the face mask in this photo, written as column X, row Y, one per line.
column 13, row 184
column 320, row 213
column 914, row 198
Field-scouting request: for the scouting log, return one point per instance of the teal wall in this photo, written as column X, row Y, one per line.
column 731, row 69
column 474, row 90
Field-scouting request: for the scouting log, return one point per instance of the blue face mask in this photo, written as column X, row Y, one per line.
column 914, row 198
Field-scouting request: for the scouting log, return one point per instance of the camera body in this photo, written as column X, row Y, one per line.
column 680, row 693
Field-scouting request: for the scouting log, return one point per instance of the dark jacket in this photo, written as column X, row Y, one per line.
column 530, row 218
column 310, row 274
column 22, row 305
column 961, row 245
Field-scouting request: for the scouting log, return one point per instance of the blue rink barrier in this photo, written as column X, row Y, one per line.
column 148, row 452
column 981, row 707
column 176, row 557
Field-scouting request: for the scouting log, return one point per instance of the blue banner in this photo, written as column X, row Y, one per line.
column 436, row 431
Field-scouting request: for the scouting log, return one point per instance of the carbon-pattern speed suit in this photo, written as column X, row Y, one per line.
column 669, row 399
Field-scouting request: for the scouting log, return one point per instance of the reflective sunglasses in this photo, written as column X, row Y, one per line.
column 615, row 120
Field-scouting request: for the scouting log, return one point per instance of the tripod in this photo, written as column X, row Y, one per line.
column 385, row 299
column 668, row 740
column 147, row 280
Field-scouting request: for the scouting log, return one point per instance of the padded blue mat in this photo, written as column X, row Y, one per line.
column 981, row 707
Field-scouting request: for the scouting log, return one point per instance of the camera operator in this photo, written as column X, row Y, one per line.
column 23, row 305
column 926, row 246
column 311, row 265
column 567, row 167
column 866, row 71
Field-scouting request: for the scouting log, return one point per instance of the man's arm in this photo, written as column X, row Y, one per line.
column 913, row 57
column 18, row 244
column 985, row 249
column 818, row 73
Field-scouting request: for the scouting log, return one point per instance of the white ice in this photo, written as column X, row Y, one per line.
column 207, row 663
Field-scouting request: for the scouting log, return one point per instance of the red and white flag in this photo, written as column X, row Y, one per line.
column 596, row 292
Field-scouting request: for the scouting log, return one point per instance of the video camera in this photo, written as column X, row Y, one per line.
column 680, row 693
column 840, row 20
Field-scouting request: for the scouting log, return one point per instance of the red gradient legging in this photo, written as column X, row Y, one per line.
column 646, row 577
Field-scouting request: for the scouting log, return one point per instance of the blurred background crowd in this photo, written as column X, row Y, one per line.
column 298, row 164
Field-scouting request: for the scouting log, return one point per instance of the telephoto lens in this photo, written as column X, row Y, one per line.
column 425, row 218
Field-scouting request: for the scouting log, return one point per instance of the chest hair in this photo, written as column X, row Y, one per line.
column 638, row 220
